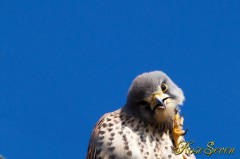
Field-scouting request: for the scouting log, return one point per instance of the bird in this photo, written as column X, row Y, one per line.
column 143, row 127
column 1, row 157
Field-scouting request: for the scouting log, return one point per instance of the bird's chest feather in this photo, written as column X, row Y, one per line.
column 131, row 139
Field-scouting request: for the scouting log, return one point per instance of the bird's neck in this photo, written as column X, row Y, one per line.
column 160, row 126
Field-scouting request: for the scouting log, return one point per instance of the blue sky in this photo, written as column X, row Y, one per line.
column 63, row 64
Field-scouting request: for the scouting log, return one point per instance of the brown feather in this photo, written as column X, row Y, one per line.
column 91, row 153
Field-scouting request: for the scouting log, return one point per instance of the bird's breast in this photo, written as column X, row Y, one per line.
column 123, row 137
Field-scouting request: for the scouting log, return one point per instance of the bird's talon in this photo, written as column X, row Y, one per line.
column 178, row 131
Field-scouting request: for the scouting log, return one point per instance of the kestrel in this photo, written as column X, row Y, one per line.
column 144, row 127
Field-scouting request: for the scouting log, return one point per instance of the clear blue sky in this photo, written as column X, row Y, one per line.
column 63, row 64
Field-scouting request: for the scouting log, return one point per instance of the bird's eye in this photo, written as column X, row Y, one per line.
column 164, row 87
column 143, row 103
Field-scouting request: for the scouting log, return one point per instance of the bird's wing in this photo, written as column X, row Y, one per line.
column 91, row 153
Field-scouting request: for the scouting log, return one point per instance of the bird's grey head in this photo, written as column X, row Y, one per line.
column 153, row 97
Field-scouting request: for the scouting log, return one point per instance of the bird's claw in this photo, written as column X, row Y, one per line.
column 178, row 131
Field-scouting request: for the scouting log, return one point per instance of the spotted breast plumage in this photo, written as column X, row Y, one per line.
column 143, row 128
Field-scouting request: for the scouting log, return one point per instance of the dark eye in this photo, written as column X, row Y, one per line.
column 164, row 87
column 143, row 103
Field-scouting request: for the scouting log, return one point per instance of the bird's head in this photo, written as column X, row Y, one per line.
column 153, row 97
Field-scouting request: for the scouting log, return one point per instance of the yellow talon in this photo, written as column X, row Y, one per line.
column 178, row 131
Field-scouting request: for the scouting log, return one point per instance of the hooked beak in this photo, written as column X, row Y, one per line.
column 158, row 102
